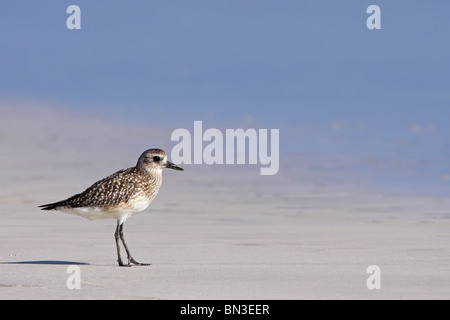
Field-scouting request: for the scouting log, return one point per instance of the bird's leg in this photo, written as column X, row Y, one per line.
column 117, row 236
column 130, row 258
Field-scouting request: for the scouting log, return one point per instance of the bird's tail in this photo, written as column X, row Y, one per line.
column 52, row 206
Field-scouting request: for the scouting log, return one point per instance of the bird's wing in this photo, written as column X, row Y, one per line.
column 108, row 192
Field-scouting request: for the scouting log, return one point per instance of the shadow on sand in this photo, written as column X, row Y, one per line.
column 48, row 262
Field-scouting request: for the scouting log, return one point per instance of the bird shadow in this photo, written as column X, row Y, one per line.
column 49, row 262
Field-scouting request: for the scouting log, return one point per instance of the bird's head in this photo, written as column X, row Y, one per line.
column 155, row 160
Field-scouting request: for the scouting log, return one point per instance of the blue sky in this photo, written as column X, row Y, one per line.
column 310, row 68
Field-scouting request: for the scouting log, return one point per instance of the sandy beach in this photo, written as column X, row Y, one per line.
column 213, row 232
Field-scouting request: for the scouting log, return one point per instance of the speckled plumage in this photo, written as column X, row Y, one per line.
column 121, row 194
column 120, row 190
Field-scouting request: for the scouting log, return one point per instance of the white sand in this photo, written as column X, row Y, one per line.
column 220, row 232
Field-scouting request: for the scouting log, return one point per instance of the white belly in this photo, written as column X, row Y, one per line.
column 122, row 212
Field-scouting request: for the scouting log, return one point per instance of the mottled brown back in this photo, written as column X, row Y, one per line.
column 112, row 191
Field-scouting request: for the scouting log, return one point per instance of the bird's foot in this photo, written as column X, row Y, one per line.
column 121, row 264
column 131, row 260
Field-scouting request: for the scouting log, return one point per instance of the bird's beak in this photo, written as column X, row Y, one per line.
column 173, row 166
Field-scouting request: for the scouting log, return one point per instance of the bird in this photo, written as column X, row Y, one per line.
column 120, row 196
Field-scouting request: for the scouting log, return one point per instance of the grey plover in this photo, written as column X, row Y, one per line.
column 120, row 196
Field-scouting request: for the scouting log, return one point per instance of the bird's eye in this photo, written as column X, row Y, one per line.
column 156, row 158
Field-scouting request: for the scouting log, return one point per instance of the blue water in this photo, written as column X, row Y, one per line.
column 366, row 106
